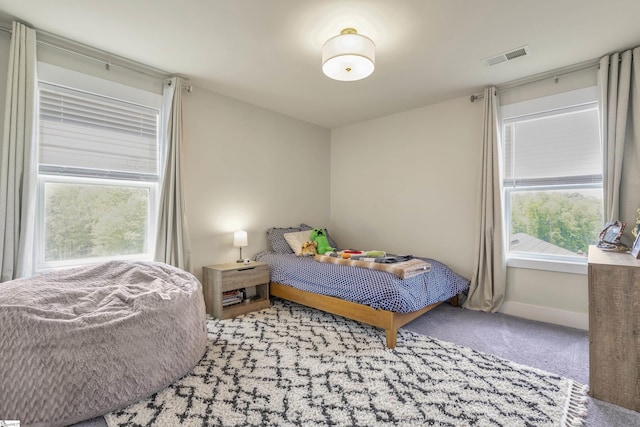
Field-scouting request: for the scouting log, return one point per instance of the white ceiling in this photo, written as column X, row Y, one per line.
column 268, row 52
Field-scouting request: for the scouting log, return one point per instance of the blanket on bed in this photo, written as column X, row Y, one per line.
column 378, row 289
column 77, row 343
column 403, row 269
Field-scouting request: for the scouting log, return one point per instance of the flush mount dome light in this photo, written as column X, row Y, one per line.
column 349, row 56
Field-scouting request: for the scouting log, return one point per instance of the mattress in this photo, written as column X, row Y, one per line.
column 378, row 289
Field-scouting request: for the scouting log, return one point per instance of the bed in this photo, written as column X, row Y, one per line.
column 78, row 343
column 377, row 298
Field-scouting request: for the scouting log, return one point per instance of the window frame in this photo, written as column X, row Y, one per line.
column 52, row 75
column 42, row 265
column 566, row 264
column 577, row 100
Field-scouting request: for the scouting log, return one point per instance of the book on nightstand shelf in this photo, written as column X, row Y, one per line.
column 233, row 297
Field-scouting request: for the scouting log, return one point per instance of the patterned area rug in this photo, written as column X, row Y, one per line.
column 294, row 366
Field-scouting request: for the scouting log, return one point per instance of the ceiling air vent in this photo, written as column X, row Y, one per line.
column 507, row 56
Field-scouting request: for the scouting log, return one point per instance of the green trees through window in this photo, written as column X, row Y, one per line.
column 571, row 220
column 86, row 221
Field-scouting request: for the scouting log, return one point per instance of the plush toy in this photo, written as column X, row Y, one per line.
column 309, row 249
column 319, row 235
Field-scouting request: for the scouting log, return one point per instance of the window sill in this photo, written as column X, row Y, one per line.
column 573, row 267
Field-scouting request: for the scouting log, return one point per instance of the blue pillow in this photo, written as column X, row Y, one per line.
column 276, row 240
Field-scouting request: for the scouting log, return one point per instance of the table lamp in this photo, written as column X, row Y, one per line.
column 240, row 241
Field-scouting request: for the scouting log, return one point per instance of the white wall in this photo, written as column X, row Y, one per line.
column 65, row 59
column 408, row 183
column 548, row 296
column 251, row 168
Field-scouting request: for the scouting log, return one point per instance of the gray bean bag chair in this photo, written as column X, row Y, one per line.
column 78, row 343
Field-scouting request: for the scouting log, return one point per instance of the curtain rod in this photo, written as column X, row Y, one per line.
column 108, row 59
column 554, row 74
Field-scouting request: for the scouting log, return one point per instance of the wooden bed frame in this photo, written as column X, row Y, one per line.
column 388, row 320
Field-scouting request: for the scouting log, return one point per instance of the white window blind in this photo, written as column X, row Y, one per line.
column 555, row 147
column 82, row 132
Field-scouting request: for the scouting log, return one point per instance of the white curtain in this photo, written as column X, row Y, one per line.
column 172, row 240
column 619, row 99
column 18, row 173
column 488, row 283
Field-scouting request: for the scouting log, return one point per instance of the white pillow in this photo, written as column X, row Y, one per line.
column 297, row 239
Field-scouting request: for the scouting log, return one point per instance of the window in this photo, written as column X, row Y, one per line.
column 98, row 175
column 552, row 177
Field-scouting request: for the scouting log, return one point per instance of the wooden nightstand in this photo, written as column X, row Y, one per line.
column 223, row 278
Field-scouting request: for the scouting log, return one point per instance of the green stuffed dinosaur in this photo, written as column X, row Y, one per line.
column 319, row 235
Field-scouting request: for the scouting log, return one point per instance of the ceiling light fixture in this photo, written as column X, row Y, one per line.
column 349, row 56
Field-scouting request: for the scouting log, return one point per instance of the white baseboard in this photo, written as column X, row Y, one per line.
column 546, row 314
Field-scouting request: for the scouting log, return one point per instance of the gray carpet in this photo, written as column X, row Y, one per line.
column 557, row 349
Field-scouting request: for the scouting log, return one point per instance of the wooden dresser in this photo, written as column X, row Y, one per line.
column 614, row 328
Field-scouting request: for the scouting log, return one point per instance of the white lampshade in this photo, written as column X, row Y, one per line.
column 240, row 238
column 349, row 56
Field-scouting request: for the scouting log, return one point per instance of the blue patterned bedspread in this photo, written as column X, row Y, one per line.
column 378, row 289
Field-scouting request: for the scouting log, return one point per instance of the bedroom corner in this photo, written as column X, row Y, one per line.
column 422, row 168
column 248, row 168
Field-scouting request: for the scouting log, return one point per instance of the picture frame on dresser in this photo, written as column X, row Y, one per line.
column 635, row 249
column 612, row 232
